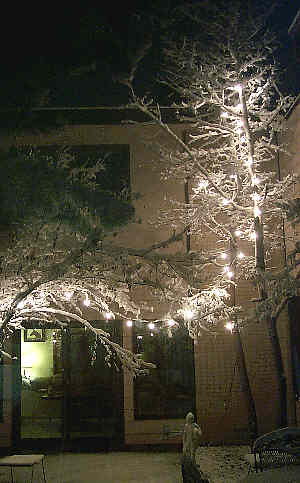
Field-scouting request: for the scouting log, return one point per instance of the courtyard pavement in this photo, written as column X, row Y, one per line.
column 221, row 464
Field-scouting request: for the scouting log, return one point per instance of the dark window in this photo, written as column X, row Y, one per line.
column 1, row 389
column 294, row 308
column 115, row 158
column 169, row 390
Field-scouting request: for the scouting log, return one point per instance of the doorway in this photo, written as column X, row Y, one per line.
column 68, row 391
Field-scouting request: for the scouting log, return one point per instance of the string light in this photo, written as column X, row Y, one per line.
column 171, row 322
column 241, row 255
column 188, row 314
column 109, row 315
column 129, row 323
column 86, row 301
column 237, row 232
column 203, row 184
column 151, row 326
column 21, row 304
column 229, row 326
column 257, row 211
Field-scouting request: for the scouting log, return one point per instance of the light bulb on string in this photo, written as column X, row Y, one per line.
column 229, row 326
column 171, row 322
column 86, row 301
column 109, row 315
column 257, row 211
column 188, row 314
column 255, row 180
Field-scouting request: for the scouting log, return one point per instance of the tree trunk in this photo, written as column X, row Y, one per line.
column 245, row 386
column 281, row 379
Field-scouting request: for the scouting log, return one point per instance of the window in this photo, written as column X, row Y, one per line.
column 115, row 157
column 294, row 307
column 1, row 389
column 169, row 390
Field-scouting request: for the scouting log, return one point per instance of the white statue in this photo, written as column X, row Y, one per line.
column 191, row 438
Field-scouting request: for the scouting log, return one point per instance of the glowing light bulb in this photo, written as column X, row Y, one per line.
column 237, row 232
column 226, row 268
column 171, row 322
column 129, row 323
column 257, row 211
column 230, row 274
column 241, row 255
column 203, row 184
column 21, row 304
column 188, row 314
column 86, row 302
column 151, row 333
column 151, row 326
column 109, row 315
column 229, row 326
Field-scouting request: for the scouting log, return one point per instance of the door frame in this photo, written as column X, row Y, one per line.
column 66, row 437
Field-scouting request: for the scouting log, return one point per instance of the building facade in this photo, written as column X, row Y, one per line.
column 204, row 375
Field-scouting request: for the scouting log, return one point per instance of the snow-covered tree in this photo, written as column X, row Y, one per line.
column 226, row 86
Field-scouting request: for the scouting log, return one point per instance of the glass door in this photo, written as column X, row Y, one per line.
column 95, row 390
column 41, row 383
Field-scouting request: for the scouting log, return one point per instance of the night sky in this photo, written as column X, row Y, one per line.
column 79, row 53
